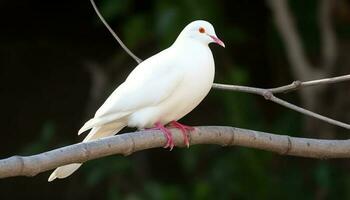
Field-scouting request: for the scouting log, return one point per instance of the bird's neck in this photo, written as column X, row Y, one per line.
column 185, row 42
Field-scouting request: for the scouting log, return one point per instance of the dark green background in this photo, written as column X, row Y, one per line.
column 46, row 46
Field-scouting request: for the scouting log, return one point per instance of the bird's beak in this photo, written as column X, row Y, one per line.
column 217, row 40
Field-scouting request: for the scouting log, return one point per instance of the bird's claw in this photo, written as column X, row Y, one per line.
column 169, row 144
column 170, row 141
column 185, row 130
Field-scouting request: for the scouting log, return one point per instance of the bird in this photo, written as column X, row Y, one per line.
column 159, row 91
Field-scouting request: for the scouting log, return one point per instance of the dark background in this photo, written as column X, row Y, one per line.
column 58, row 63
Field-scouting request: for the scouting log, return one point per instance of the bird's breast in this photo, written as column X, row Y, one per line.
column 197, row 70
column 198, row 76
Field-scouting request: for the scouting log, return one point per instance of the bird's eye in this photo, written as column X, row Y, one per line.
column 201, row 30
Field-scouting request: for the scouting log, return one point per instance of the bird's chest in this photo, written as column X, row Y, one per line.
column 198, row 70
column 197, row 80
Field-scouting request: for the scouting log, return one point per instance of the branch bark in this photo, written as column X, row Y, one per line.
column 128, row 143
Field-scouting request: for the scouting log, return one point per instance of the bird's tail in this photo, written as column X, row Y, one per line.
column 95, row 133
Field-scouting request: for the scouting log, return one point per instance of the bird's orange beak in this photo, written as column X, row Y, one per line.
column 217, row 41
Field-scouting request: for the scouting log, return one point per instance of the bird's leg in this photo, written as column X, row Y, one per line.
column 184, row 130
column 167, row 134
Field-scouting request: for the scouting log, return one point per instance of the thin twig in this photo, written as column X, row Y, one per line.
column 138, row 60
column 283, row 89
column 268, row 94
column 309, row 113
column 299, row 84
column 128, row 143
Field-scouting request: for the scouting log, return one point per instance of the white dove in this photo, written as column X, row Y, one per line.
column 159, row 91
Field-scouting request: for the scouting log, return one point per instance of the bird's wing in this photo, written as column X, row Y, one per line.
column 150, row 83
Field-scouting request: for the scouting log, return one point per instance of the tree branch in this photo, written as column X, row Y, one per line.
column 299, row 84
column 283, row 89
column 128, row 143
column 268, row 94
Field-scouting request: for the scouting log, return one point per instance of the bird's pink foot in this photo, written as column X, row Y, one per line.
column 170, row 141
column 184, row 130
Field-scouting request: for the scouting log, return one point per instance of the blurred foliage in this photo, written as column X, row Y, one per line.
column 253, row 56
column 40, row 144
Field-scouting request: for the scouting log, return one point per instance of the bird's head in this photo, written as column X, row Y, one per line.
column 201, row 31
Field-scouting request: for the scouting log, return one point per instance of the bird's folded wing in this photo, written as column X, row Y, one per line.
column 144, row 87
